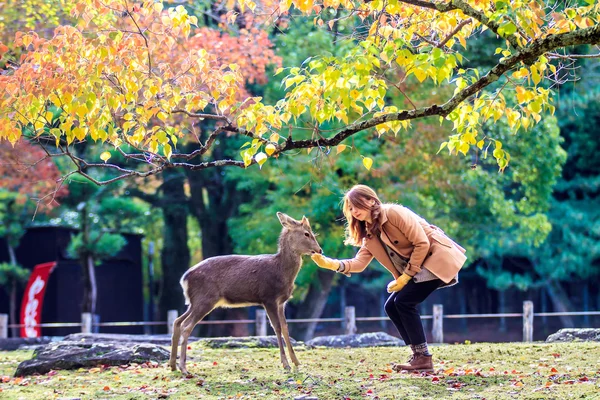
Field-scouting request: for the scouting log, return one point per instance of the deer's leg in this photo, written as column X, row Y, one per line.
column 286, row 333
column 276, row 323
column 199, row 312
column 175, row 338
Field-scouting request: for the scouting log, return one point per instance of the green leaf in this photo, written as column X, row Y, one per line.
column 507, row 29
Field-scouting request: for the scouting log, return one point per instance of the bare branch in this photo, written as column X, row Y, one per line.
column 201, row 115
column 454, row 32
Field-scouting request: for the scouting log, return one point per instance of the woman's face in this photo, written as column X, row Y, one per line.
column 360, row 214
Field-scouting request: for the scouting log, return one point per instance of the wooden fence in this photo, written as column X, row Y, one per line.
column 350, row 320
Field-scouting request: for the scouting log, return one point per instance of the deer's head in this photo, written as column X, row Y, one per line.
column 299, row 236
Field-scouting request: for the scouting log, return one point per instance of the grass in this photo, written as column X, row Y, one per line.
column 463, row 371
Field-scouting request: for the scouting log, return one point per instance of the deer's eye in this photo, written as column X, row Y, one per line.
column 306, row 234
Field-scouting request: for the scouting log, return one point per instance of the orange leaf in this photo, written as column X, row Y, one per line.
column 553, row 370
column 106, row 388
column 3, row 49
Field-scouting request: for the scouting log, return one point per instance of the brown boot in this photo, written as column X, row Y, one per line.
column 417, row 362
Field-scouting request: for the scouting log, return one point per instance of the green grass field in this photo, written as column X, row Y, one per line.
column 465, row 371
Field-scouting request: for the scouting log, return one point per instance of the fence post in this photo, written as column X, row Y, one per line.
column 86, row 322
column 3, row 326
column 350, row 318
column 528, row 321
column 171, row 317
column 261, row 322
column 438, row 323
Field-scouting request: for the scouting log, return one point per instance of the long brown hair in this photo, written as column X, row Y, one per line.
column 360, row 196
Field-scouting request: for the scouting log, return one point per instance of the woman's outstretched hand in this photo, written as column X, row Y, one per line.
column 328, row 263
column 399, row 283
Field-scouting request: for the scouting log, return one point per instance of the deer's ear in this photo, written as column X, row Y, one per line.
column 305, row 222
column 286, row 220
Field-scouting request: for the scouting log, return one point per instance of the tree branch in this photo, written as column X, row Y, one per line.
column 467, row 10
column 527, row 55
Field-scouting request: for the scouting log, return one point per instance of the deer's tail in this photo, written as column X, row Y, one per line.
column 184, row 284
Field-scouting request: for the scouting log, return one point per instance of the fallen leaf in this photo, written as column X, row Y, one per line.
column 106, row 388
column 554, row 370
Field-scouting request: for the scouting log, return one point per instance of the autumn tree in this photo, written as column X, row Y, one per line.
column 28, row 185
column 110, row 79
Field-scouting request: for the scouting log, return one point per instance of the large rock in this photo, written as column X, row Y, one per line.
column 164, row 340
column 75, row 355
column 357, row 340
column 572, row 334
column 243, row 342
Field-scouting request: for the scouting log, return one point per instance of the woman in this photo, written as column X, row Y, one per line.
column 419, row 256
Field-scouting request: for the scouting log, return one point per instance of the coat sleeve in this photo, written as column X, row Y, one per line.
column 359, row 262
column 408, row 223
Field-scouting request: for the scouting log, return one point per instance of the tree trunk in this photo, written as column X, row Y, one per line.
column 88, row 270
column 13, row 293
column 13, row 308
column 175, row 255
column 561, row 303
column 313, row 305
column 90, row 290
column 213, row 201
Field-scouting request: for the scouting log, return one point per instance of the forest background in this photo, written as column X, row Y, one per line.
column 532, row 229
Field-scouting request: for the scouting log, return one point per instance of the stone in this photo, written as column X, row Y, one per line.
column 243, row 342
column 163, row 340
column 373, row 339
column 75, row 355
column 10, row 344
column 575, row 334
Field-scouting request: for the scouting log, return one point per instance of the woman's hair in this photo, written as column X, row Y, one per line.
column 360, row 196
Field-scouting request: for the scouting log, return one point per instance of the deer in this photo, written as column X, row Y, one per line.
column 229, row 281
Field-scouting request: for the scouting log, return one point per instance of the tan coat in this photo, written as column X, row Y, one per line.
column 413, row 238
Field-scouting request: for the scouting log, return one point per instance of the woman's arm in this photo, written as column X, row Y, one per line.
column 360, row 261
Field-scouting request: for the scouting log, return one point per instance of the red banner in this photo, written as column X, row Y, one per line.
column 31, row 306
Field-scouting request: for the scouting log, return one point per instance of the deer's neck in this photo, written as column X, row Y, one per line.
column 289, row 259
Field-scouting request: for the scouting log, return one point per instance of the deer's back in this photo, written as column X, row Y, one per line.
column 239, row 280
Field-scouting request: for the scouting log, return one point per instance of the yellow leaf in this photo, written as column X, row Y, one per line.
column 270, row 149
column 168, row 151
column 420, row 74
column 535, row 75
column 274, row 138
column 367, row 162
column 480, row 144
column 260, row 159
column 105, row 156
column 162, row 116
column 340, row 147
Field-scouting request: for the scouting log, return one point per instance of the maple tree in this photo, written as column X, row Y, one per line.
column 116, row 78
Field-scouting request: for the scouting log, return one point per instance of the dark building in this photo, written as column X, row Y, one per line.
column 119, row 281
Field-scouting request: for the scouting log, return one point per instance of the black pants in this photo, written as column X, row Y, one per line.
column 401, row 307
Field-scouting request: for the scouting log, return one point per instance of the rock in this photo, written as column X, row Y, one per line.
column 357, row 340
column 243, row 342
column 75, row 355
column 573, row 334
column 10, row 344
column 164, row 340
